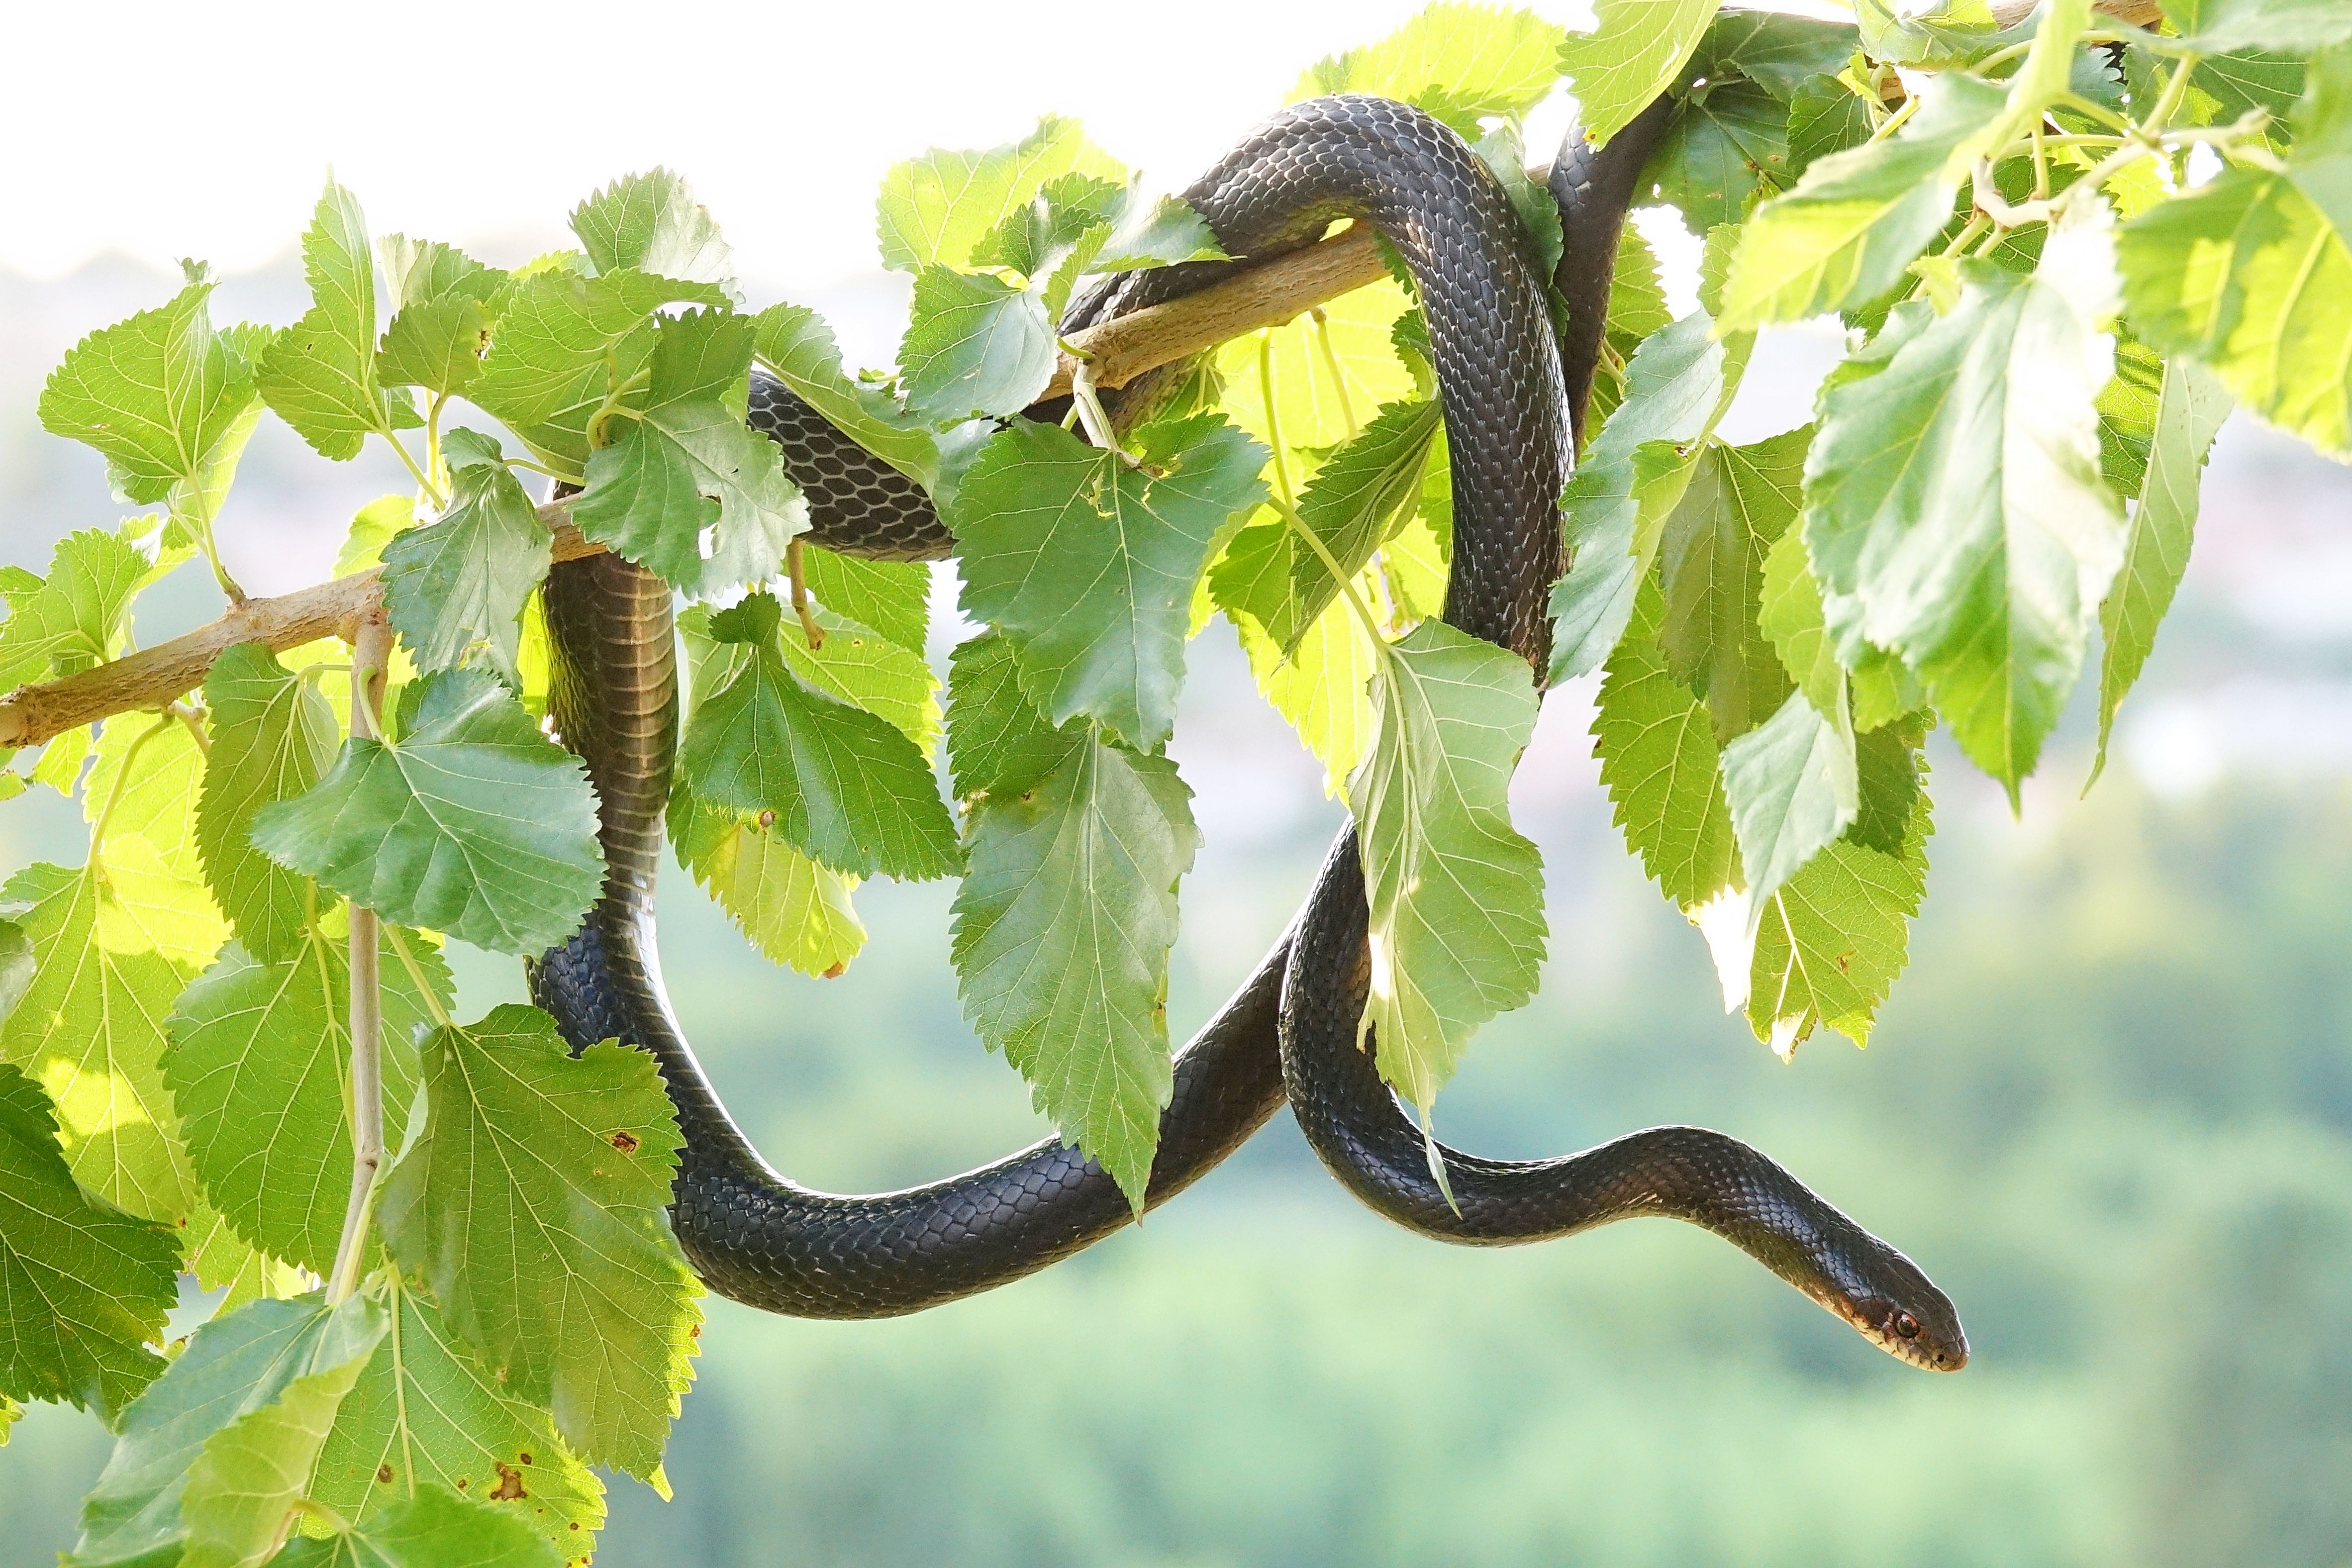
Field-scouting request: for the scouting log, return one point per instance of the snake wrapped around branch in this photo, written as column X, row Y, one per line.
column 1513, row 394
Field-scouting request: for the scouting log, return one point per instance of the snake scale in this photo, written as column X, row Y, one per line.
column 1513, row 394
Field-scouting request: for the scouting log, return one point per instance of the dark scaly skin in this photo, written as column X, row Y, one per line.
column 1367, row 1139
column 762, row 1239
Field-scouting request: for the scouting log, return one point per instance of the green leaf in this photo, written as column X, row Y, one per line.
column 2163, row 525
column 795, row 912
column 427, row 1414
column 234, row 1365
column 1086, row 565
column 463, row 579
column 1322, row 689
column 475, row 823
column 860, row 666
column 2127, row 406
column 421, row 271
column 2211, row 27
column 220, row 1260
column 436, row 344
column 77, row 617
column 1361, row 494
column 2252, row 273
column 1793, row 788
column 320, row 374
column 534, row 1202
column 1659, row 763
column 1728, row 147
column 432, row 1529
column 975, row 344
column 252, row 1471
column 1888, row 763
column 1940, row 33
column 1279, row 387
column 257, row 1066
column 152, row 787
column 85, row 1287
column 88, row 1029
column 1954, row 498
column 1789, row 614
column 686, row 462
column 651, row 223
column 1847, row 230
column 273, row 735
column 1825, row 116
column 1779, row 53
column 893, row 597
column 1634, row 52
column 1831, row 943
column 1504, row 149
column 1738, row 502
column 1077, row 224
column 1615, row 509
column 1062, row 930
column 1456, row 894
column 1678, row 384
column 374, row 526
column 563, row 341
column 998, row 744
column 154, row 394
column 1463, row 63
column 841, row 784
column 2224, row 88
column 936, row 209
column 794, row 342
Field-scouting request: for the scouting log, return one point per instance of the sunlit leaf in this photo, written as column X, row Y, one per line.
column 534, row 1203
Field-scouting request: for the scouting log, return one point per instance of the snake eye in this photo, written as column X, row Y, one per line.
column 1905, row 1326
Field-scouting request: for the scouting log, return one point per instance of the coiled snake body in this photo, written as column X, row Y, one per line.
column 1507, row 389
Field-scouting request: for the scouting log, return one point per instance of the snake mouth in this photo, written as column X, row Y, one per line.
column 1928, row 1337
column 1930, row 1340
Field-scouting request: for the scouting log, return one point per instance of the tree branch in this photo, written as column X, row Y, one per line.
column 156, row 675
column 1117, row 352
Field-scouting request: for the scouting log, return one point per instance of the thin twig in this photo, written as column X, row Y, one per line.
column 371, row 655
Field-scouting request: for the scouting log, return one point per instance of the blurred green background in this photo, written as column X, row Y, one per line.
column 2109, row 1109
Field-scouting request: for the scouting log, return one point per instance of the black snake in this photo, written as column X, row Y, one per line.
column 1508, row 388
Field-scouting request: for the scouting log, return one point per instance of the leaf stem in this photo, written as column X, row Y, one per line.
column 1331, row 364
column 1091, row 415
column 2093, row 111
column 1331, row 564
column 795, row 569
column 371, row 659
column 195, row 719
column 1273, row 419
column 1970, row 234
column 400, row 948
column 1893, row 121
column 163, row 721
column 431, row 492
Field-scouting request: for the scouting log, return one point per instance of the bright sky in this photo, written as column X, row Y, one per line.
column 170, row 129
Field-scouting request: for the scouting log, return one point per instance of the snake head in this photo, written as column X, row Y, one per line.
column 1894, row 1306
